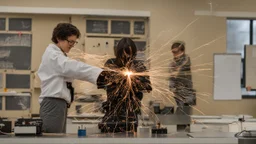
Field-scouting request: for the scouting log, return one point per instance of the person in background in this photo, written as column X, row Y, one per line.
column 56, row 73
column 180, row 82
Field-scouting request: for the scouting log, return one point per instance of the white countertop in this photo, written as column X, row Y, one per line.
column 176, row 138
column 215, row 121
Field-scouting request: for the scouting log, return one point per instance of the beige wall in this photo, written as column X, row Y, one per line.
column 168, row 18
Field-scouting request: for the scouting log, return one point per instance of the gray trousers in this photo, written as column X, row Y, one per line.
column 53, row 112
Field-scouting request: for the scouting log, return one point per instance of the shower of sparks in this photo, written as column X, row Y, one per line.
column 159, row 73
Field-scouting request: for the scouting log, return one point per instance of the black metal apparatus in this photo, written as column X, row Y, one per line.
column 28, row 126
column 5, row 126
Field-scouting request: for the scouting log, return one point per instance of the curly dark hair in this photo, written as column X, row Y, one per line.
column 63, row 30
column 179, row 44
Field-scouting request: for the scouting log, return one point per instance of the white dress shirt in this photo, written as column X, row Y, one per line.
column 56, row 69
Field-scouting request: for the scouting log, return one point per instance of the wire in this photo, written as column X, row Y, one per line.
column 239, row 133
column 3, row 133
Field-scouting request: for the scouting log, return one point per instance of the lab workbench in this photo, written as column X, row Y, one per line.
column 124, row 138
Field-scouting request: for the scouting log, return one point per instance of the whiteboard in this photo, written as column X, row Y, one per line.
column 227, row 77
column 250, row 65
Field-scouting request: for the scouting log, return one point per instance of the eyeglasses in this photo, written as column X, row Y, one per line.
column 175, row 52
column 71, row 42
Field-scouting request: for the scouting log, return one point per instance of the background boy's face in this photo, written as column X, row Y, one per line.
column 176, row 52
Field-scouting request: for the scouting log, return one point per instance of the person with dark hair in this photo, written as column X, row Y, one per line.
column 125, row 93
column 181, row 79
column 56, row 73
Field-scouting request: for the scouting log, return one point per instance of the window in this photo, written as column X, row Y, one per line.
column 254, row 32
column 120, row 27
column 97, row 26
column 17, row 81
column 17, row 102
column 20, row 24
column 240, row 33
column 16, row 46
column 15, row 63
column 139, row 27
column 2, row 24
column 116, row 27
column 1, row 102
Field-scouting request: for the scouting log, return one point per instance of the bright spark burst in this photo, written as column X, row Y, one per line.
column 128, row 73
column 158, row 74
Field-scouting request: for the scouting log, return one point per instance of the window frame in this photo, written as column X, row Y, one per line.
column 3, row 111
column 245, row 96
